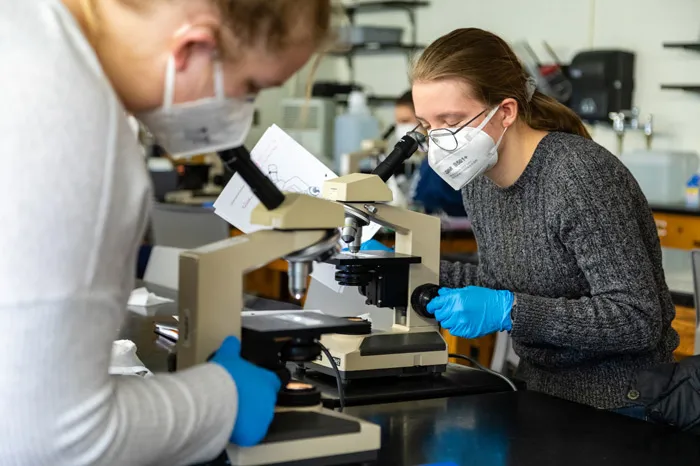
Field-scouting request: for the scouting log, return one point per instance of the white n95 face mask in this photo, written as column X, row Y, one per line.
column 205, row 125
column 474, row 152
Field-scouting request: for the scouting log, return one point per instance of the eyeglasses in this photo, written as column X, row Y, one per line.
column 419, row 137
column 446, row 139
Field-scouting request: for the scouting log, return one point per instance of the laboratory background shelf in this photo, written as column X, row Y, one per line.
column 377, row 49
column 372, row 100
column 370, row 7
column 694, row 46
column 681, row 87
column 354, row 9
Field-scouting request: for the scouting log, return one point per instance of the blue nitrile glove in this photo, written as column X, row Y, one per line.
column 257, row 393
column 372, row 245
column 472, row 312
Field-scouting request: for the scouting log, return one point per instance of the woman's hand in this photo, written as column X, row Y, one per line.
column 257, row 393
column 472, row 312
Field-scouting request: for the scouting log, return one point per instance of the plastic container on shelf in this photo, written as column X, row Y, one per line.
column 354, row 126
column 662, row 174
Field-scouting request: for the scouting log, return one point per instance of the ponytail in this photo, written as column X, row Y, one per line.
column 493, row 72
column 546, row 114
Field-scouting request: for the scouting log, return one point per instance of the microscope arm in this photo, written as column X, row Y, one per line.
column 211, row 279
column 356, row 189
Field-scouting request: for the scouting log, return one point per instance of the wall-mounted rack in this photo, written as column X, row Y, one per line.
column 694, row 46
column 352, row 10
column 691, row 46
column 681, row 87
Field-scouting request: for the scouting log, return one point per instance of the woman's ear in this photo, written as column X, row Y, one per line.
column 190, row 41
column 509, row 112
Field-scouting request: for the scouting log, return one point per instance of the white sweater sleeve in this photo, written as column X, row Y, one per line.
column 75, row 201
column 66, row 410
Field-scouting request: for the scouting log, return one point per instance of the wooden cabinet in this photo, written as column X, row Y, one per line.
column 679, row 228
column 678, row 231
column 684, row 323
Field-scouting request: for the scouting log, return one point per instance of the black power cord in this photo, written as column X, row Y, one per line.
column 338, row 380
column 485, row 369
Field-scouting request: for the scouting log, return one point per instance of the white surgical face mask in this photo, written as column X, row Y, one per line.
column 475, row 152
column 205, row 125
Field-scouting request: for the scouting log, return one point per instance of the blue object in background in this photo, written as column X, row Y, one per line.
column 142, row 260
column 374, row 245
column 692, row 191
column 435, row 195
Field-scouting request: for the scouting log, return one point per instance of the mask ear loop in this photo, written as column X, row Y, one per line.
column 488, row 118
column 169, row 91
column 219, row 79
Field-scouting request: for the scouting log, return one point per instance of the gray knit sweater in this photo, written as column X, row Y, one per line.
column 576, row 242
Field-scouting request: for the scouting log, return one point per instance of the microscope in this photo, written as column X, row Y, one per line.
column 394, row 280
column 210, row 301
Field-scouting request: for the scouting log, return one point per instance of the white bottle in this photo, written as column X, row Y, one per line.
column 353, row 127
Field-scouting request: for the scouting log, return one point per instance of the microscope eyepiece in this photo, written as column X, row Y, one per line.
column 403, row 149
column 238, row 160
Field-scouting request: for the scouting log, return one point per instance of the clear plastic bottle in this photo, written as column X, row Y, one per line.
column 353, row 127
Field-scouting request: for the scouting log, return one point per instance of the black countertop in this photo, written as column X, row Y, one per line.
column 457, row 380
column 499, row 429
column 679, row 209
column 521, row 429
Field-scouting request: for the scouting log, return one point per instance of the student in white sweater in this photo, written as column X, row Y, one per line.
column 75, row 202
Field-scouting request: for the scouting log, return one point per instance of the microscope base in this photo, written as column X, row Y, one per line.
column 319, row 437
column 383, row 354
column 346, row 376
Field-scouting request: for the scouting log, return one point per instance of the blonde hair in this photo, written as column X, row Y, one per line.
column 491, row 68
column 279, row 23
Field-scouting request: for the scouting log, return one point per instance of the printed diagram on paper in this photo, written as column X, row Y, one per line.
column 293, row 169
column 292, row 185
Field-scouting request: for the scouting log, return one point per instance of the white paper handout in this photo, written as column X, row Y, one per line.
column 291, row 167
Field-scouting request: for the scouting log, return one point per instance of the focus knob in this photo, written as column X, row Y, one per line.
column 420, row 298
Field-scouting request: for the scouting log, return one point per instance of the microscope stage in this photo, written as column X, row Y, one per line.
column 373, row 258
column 300, row 324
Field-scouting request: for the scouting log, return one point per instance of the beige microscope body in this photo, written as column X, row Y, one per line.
column 416, row 235
column 211, row 277
column 210, row 305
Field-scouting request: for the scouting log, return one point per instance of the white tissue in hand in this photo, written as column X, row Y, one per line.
column 141, row 297
column 124, row 360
